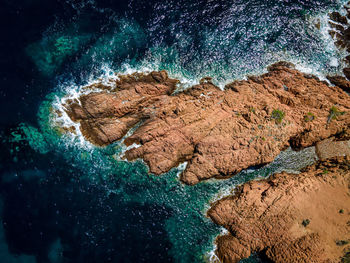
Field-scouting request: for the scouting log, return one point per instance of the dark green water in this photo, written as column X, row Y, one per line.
column 67, row 201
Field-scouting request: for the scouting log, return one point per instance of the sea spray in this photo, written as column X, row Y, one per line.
column 227, row 51
column 189, row 230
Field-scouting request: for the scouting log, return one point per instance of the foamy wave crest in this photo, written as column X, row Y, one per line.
column 71, row 129
column 72, row 92
column 181, row 168
column 107, row 77
column 153, row 62
column 211, row 256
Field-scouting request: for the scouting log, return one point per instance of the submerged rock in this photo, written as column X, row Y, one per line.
column 288, row 217
column 340, row 33
column 218, row 132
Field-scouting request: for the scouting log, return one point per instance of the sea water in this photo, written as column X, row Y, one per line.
column 65, row 200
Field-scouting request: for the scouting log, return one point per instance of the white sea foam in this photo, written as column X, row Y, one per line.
column 62, row 120
column 211, row 256
column 121, row 155
column 224, row 191
column 223, row 231
column 72, row 92
column 330, row 47
column 153, row 62
column 181, row 167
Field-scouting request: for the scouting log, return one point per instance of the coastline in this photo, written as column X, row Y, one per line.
column 96, row 188
column 135, row 130
column 300, row 252
column 82, row 140
column 253, row 119
column 255, row 211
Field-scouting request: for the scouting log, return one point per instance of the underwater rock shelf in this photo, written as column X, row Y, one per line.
column 340, row 32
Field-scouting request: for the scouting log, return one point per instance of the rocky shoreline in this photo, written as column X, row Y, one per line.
column 295, row 218
column 217, row 132
column 289, row 217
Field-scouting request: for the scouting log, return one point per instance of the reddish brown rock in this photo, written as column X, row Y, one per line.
column 346, row 72
column 335, row 16
column 288, row 217
column 329, row 148
column 218, row 132
column 340, row 30
column 106, row 117
column 341, row 82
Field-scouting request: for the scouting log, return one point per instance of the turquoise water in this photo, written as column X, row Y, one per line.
column 190, row 40
column 191, row 233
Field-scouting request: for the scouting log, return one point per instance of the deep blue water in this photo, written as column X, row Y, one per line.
column 63, row 202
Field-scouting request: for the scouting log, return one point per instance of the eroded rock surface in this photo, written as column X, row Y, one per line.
column 289, row 218
column 107, row 116
column 341, row 82
column 218, row 132
column 330, row 148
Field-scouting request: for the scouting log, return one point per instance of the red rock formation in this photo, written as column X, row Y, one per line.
column 329, row 148
column 341, row 82
column 106, row 117
column 218, row 132
column 288, row 217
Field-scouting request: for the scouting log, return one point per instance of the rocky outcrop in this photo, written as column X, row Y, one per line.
column 218, row 132
column 340, row 32
column 341, row 82
column 108, row 115
column 330, row 148
column 289, row 217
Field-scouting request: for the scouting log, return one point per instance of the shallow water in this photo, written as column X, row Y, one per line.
column 67, row 201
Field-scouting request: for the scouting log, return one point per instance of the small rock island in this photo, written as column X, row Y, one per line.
column 217, row 132
column 288, row 217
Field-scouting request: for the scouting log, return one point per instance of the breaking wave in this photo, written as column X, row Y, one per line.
column 189, row 39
